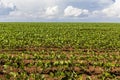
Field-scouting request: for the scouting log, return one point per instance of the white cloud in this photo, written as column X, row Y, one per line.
column 113, row 10
column 49, row 12
column 38, row 8
column 59, row 9
column 6, row 5
column 35, row 8
column 85, row 12
column 72, row 11
column 18, row 14
column 34, row 5
column 6, row 8
column 52, row 11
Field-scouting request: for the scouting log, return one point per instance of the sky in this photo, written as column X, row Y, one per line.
column 60, row 10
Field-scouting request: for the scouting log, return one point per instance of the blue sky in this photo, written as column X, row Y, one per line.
column 60, row 10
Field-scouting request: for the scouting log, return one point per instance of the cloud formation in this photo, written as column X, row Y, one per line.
column 52, row 11
column 59, row 9
column 75, row 12
column 6, row 8
column 113, row 10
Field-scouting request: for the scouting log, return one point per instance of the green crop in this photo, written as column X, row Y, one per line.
column 59, row 51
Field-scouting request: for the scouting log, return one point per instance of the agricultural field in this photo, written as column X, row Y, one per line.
column 59, row 51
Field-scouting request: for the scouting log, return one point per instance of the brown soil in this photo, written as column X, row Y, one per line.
column 115, row 71
column 88, row 70
column 92, row 70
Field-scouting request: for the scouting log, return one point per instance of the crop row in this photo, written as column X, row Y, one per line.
column 60, row 65
column 59, row 51
column 60, row 35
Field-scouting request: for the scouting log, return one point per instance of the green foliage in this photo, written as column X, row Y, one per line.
column 99, row 36
column 59, row 51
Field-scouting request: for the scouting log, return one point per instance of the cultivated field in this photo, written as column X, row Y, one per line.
column 59, row 51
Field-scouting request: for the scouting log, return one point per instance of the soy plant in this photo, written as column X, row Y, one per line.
column 59, row 49
column 61, row 35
